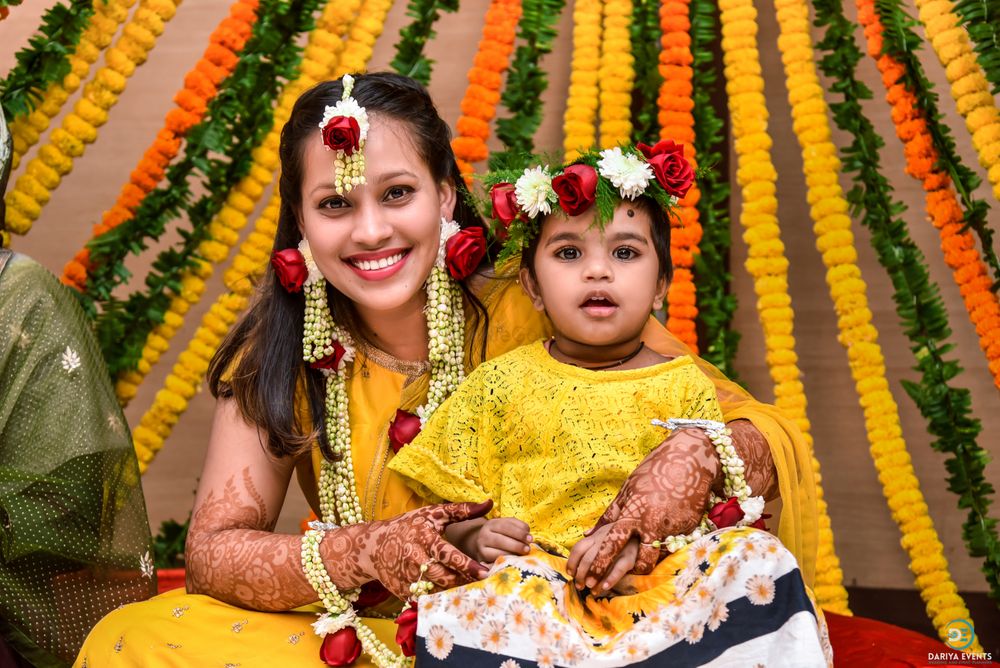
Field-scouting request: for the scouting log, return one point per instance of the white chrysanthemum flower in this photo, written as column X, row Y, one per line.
column 760, row 589
column 753, row 508
column 534, row 192
column 327, row 623
column 314, row 272
column 351, row 109
column 625, row 171
column 449, row 228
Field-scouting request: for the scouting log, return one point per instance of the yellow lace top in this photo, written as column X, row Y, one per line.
column 550, row 443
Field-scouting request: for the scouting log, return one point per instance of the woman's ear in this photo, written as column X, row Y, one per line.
column 448, row 195
column 662, row 284
column 530, row 286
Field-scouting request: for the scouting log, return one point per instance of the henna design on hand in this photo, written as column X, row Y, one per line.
column 753, row 449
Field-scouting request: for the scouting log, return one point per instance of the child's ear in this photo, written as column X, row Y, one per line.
column 662, row 284
column 530, row 287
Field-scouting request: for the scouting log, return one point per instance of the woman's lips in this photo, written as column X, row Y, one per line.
column 378, row 266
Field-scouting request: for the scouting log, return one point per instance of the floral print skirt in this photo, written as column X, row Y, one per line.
column 733, row 598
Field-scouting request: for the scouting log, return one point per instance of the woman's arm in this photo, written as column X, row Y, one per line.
column 233, row 555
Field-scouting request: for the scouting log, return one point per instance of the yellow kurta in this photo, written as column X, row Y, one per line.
column 177, row 629
column 550, row 443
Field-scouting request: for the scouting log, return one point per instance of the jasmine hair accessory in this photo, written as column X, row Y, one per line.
column 345, row 129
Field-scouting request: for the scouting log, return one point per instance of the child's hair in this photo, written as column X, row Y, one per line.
column 265, row 348
column 659, row 231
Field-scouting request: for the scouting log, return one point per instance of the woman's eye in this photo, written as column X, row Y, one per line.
column 333, row 203
column 396, row 192
column 625, row 253
column 568, row 253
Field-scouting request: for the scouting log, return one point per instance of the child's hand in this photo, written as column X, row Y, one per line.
column 500, row 537
column 581, row 561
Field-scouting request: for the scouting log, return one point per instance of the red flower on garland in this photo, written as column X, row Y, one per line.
column 341, row 648
column 726, row 513
column 576, row 188
column 406, row 634
column 342, row 133
column 290, row 266
column 464, row 251
column 672, row 169
column 403, row 429
column 333, row 360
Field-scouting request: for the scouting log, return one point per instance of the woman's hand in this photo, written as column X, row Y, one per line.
column 396, row 549
column 665, row 495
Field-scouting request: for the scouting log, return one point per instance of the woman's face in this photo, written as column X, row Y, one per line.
column 377, row 243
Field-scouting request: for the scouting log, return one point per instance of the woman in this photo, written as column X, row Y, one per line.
column 369, row 186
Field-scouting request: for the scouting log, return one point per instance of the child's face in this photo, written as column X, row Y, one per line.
column 598, row 287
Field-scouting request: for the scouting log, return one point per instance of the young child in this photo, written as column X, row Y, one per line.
column 551, row 430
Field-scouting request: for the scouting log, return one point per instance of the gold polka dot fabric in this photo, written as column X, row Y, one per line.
column 74, row 538
column 550, row 443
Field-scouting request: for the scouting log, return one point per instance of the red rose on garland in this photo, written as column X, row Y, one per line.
column 505, row 207
column 290, row 267
column 726, row 513
column 341, row 648
column 372, row 593
column 406, row 634
column 342, row 133
column 576, row 188
column 403, row 429
column 333, row 360
column 464, row 251
column 671, row 168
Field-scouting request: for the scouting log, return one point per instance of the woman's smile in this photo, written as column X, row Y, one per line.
column 380, row 265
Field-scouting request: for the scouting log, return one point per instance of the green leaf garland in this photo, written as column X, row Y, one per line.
column 410, row 59
column 716, row 302
column 646, row 34
column 981, row 19
column 918, row 303
column 218, row 154
column 45, row 60
column 526, row 80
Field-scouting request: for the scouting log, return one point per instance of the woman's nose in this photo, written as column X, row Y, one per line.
column 371, row 229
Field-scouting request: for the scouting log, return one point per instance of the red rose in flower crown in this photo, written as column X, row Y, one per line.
column 342, row 133
column 726, row 514
column 576, row 188
column 341, row 648
column 333, row 360
column 464, row 251
column 290, row 267
column 671, row 168
column 406, row 634
column 505, row 207
column 403, row 429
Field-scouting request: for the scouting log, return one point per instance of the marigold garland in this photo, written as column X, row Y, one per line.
column 616, row 74
column 251, row 260
column 960, row 253
column 320, row 60
column 579, row 120
column 677, row 123
column 479, row 104
column 34, row 187
column 767, row 263
column 969, row 86
column 201, row 85
column 104, row 23
column 835, row 241
column 947, row 409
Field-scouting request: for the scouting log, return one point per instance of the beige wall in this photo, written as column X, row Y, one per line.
column 867, row 539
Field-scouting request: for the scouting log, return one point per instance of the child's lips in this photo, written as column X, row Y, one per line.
column 599, row 306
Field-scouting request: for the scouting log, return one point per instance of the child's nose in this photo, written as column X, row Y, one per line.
column 598, row 268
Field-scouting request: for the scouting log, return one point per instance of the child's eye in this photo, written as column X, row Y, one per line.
column 396, row 192
column 568, row 253
column 625, row 253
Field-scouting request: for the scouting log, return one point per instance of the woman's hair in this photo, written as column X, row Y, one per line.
column 659, row 230
column 264, row 350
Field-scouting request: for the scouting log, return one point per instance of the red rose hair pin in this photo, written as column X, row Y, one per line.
column 345, row 128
